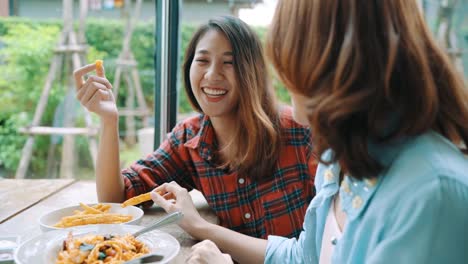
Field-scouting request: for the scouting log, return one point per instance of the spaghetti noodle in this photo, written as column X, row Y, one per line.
column 98, row 249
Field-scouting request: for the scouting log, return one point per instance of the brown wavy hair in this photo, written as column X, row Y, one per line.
column 372, row 72
column 255, row 147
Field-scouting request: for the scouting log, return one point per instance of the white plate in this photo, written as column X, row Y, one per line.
column 48, row 220
column 44, row 248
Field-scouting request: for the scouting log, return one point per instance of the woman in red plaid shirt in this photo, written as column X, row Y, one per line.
column 248, row 157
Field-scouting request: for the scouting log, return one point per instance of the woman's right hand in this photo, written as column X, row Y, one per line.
column 206, row 252
column 182, row 202
column 95, row 94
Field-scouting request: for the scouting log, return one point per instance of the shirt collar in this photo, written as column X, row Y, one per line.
column 354, row 194
column 204, row 140
column 327, row 177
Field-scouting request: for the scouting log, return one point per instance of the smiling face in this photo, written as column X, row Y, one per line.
column 212, row 75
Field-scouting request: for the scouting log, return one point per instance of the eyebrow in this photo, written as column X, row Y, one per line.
column 227, row 53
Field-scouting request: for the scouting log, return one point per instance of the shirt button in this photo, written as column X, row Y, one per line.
column 329, row 175
column 334, row 241
column 241, row 180
column 357, row 202
column 247, row 215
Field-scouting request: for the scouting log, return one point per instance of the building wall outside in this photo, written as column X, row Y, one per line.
column 4, row 8
column 192, row 12
column 198, row 13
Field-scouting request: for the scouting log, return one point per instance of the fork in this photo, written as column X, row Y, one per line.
column 168, row 219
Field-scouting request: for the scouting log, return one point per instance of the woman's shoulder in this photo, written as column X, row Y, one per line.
column 430, row 165
column 436, row 188
column 434, row 155
column 427, row 180
column 293, row 133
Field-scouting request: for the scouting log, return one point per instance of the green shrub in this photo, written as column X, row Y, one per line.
column 22, row 74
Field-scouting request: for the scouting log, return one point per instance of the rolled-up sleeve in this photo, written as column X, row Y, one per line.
column 282, row 250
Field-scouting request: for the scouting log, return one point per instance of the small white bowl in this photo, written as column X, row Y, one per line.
column 48, row 220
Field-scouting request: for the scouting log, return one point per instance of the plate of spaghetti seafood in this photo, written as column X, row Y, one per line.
column 92, row 214
column 96, row 244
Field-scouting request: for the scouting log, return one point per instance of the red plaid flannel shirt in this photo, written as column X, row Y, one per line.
column 273, row 207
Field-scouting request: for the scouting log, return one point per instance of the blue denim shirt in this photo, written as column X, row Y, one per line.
column 416, row 212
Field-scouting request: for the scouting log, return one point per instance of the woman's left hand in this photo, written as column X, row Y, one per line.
column 206, row 252
column 183, row 203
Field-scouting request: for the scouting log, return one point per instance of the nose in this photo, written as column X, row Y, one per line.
column 214, row 73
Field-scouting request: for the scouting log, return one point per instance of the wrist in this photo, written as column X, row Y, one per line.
column 199, row 229
column 110, row 121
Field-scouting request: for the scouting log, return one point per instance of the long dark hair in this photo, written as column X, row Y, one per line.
column 373, row 73
column 255, row 147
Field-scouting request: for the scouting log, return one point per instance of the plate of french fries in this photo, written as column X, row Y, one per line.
column 90, row 214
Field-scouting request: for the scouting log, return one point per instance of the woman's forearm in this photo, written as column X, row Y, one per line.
column 109, row 182
column 242, row 248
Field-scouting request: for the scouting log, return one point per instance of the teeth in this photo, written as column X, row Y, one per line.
column 214, row 91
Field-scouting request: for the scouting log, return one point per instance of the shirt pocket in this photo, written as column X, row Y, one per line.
column 284, row 210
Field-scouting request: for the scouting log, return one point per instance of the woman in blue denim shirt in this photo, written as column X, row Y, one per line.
column 389, row 114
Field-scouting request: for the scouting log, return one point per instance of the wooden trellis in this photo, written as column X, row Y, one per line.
column 70, row 51
column 127, row 66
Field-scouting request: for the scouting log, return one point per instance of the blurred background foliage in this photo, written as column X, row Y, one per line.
column 26, row 50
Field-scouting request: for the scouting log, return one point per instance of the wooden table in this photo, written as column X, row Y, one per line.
column 24, row 201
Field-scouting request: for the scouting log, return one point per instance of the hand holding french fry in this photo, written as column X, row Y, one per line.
column 178, row 199
column 95, row 93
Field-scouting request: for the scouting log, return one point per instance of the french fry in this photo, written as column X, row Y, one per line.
column 138, row 199
column 89, row 209
column 103, row 207
column 97, row 214
column 99, row 68
column 89, row 219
